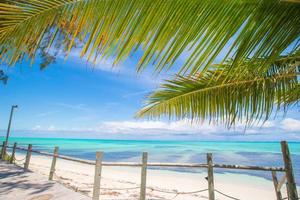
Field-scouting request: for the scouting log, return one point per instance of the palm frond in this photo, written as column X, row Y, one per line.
column 221, row 95
column 163, row 29
column 293, row 97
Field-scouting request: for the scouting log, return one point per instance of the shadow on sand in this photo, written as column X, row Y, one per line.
column 16, row 177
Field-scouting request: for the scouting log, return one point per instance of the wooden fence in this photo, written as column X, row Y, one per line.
column 287, row 179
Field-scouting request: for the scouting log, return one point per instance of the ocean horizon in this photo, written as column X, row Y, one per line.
column 224, row 152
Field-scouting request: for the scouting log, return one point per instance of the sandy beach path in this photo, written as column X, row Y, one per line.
column 16, row 184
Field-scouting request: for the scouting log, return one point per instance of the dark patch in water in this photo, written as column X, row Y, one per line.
column 124, row 155
column 165, row 147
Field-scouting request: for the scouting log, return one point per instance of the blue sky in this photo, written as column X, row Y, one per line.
column 74, row 99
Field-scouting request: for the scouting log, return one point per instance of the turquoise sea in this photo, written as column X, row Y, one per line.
column 243, row 153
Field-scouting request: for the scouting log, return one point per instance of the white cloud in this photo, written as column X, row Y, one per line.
column 143, row 92
column 290, row 124
column 46, row 114
column 140, row 127
column 37, row 127
column 44, row 128
column 269, row 124
column 104, row 64
column 181, row 127
column 81, row 107
column 156, row 127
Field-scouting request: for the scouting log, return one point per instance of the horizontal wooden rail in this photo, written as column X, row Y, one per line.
column 59, row 156
column 158, row 164
column 244, row 167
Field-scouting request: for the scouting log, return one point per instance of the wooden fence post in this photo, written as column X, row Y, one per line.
column 5, row 149
column 52, row 169
column 291, row 185
column 275, row 182
column 210, row 177
column 2, row 150
column 12, row 158
column 143, row 176
column 28, row 155
column 97, row 177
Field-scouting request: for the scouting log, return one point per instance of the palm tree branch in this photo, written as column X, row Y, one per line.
column 44, row 11
column 251, row 97
column 164, row 29
column 237, row 83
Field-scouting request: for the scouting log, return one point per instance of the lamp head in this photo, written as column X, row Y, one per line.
column 3, row 77
column 4, row 80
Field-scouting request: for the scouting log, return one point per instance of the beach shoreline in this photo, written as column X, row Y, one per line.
column 124, row 182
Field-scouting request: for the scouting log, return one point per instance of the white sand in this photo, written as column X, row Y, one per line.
column 80, row 178
column 16, row 184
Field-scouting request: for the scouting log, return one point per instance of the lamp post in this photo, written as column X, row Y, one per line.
column 9, row 124
column 3, row 77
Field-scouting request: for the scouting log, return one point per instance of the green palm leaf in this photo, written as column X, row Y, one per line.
column 164, row 29
column 221, row 95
